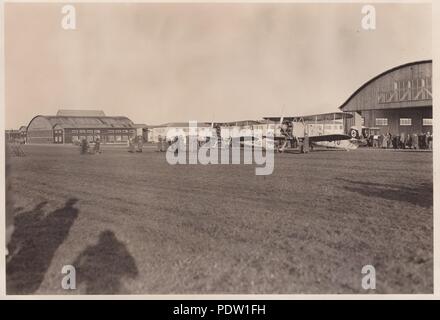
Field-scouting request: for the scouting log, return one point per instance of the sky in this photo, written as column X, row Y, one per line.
column 158, row 63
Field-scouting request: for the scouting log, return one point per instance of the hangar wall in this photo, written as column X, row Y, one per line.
column 404, row 120
column 40, row 131
column 396, row 101
column 61, row 129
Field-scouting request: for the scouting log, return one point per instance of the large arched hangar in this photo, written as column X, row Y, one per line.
column 396, row 101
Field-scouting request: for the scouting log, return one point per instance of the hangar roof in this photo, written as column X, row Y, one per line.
column 76, row 122
column 376, row 92
column 82, row 122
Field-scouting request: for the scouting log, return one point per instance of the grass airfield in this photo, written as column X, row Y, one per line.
column 133, row 224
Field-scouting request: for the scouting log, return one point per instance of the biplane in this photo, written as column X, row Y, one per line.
column 305, row 132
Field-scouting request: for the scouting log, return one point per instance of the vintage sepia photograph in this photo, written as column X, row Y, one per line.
column 218, row 148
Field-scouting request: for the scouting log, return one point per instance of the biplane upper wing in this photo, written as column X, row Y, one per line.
column 316, row 117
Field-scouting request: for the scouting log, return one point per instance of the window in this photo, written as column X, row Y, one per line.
column 405, row 121
column 111, row 138
column 362, row 121
column 427, row 122
column 118, row 138
column 124, row 131
column 124, row 138
column 97, row 131
column 381, row 121
column 75, row 138
column 111, row 131
column 118, row 131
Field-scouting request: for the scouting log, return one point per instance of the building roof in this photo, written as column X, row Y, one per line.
column 87, row 122
column 366, row 84
column 240, row 123
column 179, row 125
column 80, row 113
column 91, row 122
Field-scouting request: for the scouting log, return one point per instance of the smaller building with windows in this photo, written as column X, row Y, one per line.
column 397, row 101
column 18, row 136
column 72, row 126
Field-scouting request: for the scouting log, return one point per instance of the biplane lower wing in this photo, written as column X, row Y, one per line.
column 279, row 138
column 329, row 137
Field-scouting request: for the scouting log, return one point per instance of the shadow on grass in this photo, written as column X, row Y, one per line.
column 417, row 194
column 33, row 244
column 101, row 267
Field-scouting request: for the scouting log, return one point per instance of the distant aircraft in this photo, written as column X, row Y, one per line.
column 236, row 137
column 325, row 130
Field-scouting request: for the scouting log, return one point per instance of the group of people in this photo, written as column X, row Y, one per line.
column 135, row 144
column 163, row 143
column 402, row 141
column 86, row 149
